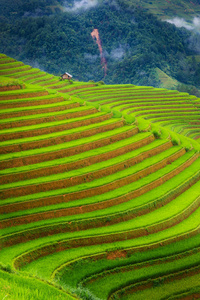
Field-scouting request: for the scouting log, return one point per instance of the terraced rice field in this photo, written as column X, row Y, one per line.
column 163, row 107
column 100, row 189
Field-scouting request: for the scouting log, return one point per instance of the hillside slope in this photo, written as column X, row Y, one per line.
column 96, row 197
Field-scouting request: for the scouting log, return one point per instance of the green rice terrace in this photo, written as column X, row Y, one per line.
column 100, row 189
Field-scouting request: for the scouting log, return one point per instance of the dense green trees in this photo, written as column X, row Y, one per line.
column 134, row 44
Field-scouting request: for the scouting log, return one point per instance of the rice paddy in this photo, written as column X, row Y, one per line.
column 100, row 190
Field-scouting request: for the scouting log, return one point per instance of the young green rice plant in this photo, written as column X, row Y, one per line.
column 37, row 107
column 172, row 188
column 105, row 284
column 57, row 134
column 176, row 289
column 46, row 115
column 98, row 166
column 13, row 71
column 19, row 287
column 6, row 82
column 84, row 267
column 46, row 265
column 83, row 141
column 91, row 153
column 50, row 124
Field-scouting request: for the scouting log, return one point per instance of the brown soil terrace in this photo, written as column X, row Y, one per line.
column 62, row 198
column 57, row 128
column 75, row 88
column 143, row 100
column 160, row 112
column 25, row 72
column 152, row 111
column 63, row 245
column 130, row 251
column 149, row 284
column 28, row 102
column 35, row 111
column 88, row 161
column 11, row 65
column 171, row 117
column 151, row 107
column 49, row 83
column 138, row 98
column 23, row 95
column 34, row 77
column 135, row 96
column 128, row 90
column 136, row 266
column 17, row 162
column 42, row 79
column 190, row 297
column 61, row 139
column 10, row 88
column 16, row 71
column 88, row 177
column 108, row 88
column 60, row 85
column 116, row 254
column 35, row 233
column 4, row 60
column 46, row 119
column 196, row 137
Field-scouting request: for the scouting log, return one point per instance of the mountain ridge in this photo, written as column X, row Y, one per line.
column 134, row 43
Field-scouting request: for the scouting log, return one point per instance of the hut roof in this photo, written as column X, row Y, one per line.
column 67, row 74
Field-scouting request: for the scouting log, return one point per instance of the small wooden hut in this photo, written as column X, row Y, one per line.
column 66, row 76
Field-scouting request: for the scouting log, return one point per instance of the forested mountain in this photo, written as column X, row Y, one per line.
column 131, row 44
column 186, row 9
